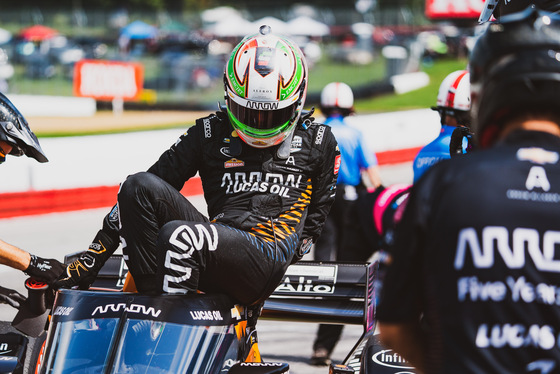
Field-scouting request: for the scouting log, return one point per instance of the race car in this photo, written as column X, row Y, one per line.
column 110, row 330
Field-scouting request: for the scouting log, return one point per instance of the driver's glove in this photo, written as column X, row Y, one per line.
column 302, row 250
column 80, row 273
column 44, row 269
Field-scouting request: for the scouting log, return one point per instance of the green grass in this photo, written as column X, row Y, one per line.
column 320, row 75
column 354, row 75
column 323, row 72
column 422, row 98
column 78, row 132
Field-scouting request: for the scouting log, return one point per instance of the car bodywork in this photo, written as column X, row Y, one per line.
column 106, row 330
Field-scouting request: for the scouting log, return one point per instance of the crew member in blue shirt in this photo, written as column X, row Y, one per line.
column 453, row 105
column 358, row 163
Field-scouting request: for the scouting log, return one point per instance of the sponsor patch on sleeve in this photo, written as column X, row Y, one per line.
column 337, row 162
column 320, row 134
column 233, row 163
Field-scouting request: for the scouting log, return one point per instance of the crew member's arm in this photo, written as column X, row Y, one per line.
column 369, row 164
column 42, row 269
column 373, row 176
column 13, row 256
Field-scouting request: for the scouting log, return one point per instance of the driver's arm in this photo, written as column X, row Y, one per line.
column 175, row 166
column 83, row 271
column 324, row 186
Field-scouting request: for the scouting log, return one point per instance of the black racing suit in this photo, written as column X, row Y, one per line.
column 261, row 206
column 477, row 253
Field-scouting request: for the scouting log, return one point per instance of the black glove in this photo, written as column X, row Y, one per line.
column 80, row 273
column 44, row 269
column 456, row 142
column 302, row 250
column 11, row 297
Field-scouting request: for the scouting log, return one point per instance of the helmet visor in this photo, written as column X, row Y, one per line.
column 261, row 118
column 487, row 11
column 15, row 131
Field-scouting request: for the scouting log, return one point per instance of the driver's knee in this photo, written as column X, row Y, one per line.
column 177, row 259
column 138, row 185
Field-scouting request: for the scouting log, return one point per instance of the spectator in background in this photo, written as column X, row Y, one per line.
column 453, row 106
column 337, row 102
column 17, row 139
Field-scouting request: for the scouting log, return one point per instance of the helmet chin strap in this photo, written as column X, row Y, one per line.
column 235, row 145
column 283, row 151
column 285, row 148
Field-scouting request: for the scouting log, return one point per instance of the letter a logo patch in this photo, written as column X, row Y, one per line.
column 537, row 179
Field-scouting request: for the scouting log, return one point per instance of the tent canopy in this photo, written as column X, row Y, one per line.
column 307, row 26
column 5, row 36
column 37, row 33
column 139, row 30
column 219, row 14
column 233, row 26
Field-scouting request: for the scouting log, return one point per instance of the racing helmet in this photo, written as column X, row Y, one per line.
column 454, row 97
column 265, row 87
column 337, row 97
column 515, row 70
column 500, row 8
column 15, row 131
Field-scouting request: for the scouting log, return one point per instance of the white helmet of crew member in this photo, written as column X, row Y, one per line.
column 454, row 97
column 337, row 97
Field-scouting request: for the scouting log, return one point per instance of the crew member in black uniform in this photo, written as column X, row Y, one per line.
column 475, row 277
column 269, row 179
column 17, row 139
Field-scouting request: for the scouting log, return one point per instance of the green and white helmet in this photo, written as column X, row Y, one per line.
column 265, row 87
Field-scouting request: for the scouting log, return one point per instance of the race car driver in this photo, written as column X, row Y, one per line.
column 269, row 178
column 453, row 106
column 476, row 250
column 17, row 139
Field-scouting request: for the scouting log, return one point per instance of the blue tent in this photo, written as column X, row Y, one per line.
column 139, row 30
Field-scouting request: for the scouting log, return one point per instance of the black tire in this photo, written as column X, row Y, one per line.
column 33, row 353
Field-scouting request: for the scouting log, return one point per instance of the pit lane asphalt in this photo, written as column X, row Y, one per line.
column 58, row 234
